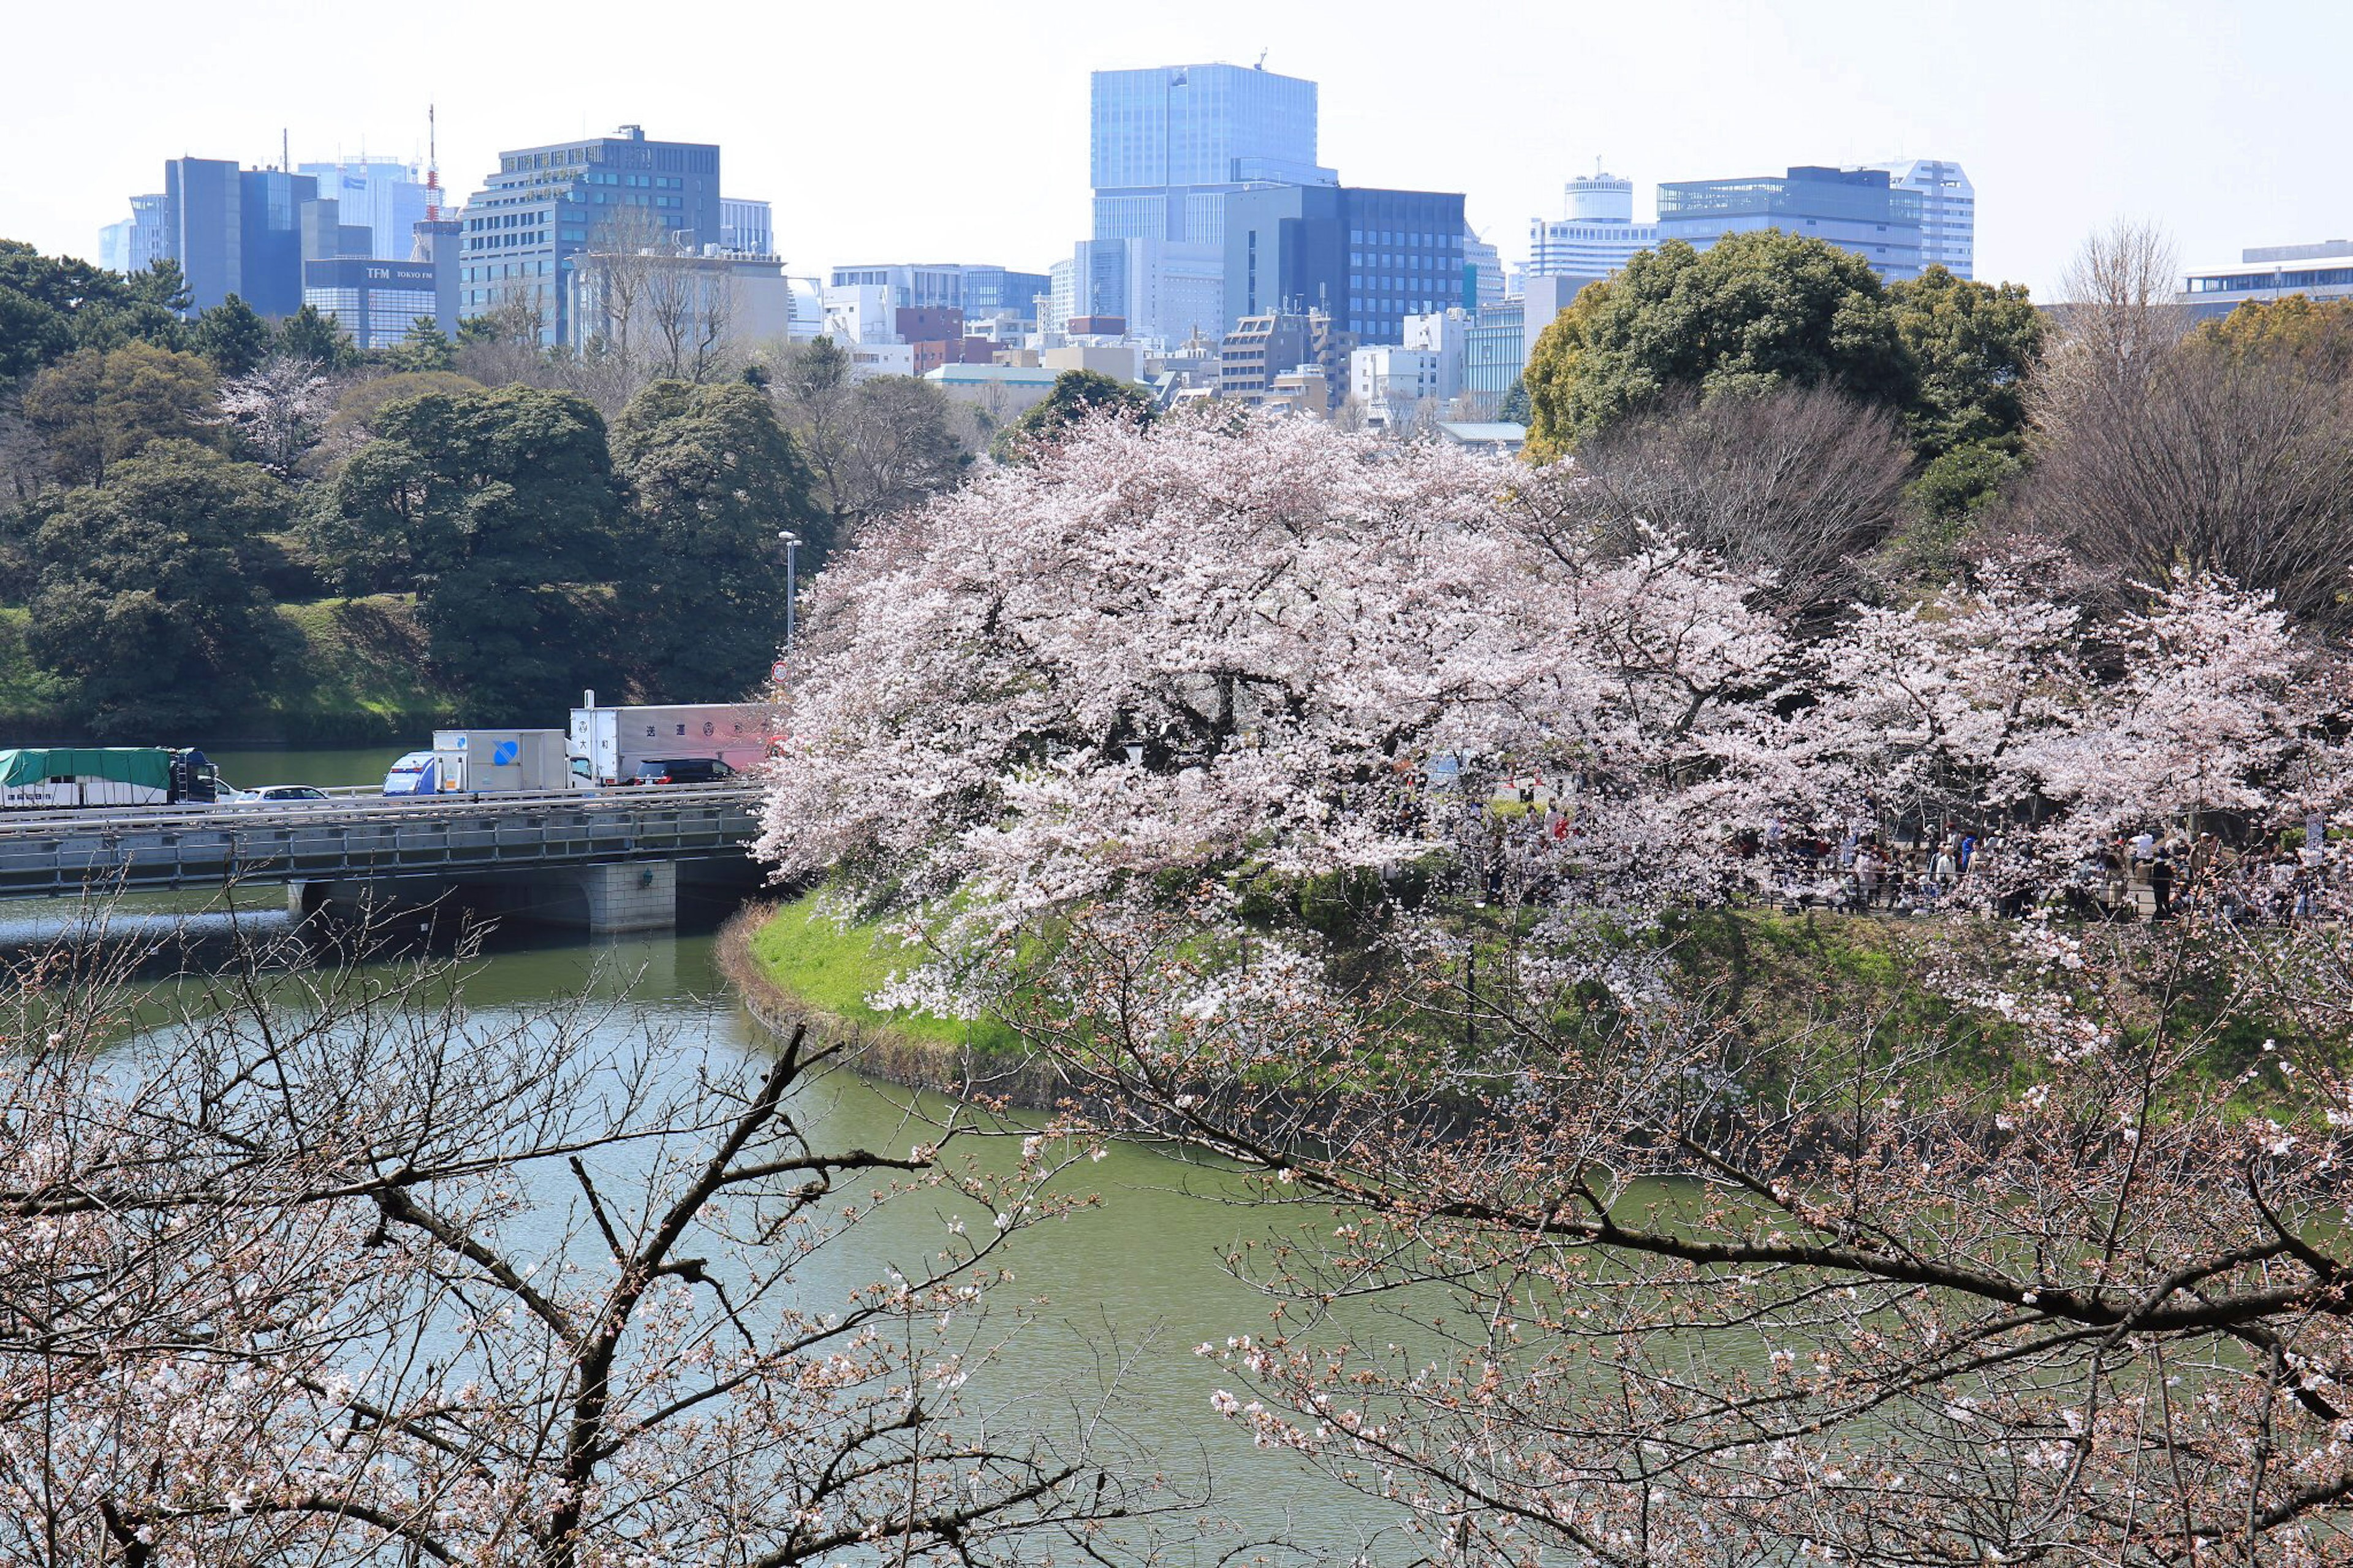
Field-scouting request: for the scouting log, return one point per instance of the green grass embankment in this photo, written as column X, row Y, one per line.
column 814, row 965
column 1808, row 991
column 353, row 673
column 357, row 675
column 28, row 694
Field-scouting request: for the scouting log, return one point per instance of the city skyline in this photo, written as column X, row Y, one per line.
column 2065, row 121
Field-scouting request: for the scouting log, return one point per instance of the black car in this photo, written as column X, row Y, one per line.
column 683, row 770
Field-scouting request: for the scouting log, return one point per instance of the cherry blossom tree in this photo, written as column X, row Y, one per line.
column 2038, row 1260
column 1196, row 649
column 2220, row 708
column 280, row 409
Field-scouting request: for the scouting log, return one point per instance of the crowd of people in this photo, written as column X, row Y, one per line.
column 2151, row 875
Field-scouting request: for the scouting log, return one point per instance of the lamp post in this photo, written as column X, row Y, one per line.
column 792, row 542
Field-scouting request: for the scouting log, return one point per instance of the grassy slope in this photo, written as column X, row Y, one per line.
column 27, row 693
column 355, row 675
column 1782, row 970
column 360, row 670
column 833, row 968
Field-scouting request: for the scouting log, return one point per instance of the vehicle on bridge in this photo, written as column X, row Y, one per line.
column 682, row 770
column 53, row 778
column 625, row 744
column 487, row 762
column 271, row 794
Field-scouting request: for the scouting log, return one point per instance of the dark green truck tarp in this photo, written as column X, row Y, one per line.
column 148, row 765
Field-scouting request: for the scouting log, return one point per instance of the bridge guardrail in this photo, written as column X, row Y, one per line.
column 304, row 840
column 366, row 806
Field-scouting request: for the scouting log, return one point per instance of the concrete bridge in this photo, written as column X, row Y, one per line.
column 609, row 861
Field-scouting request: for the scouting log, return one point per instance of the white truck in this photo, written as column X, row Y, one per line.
column 486, row 762
column 618, row 744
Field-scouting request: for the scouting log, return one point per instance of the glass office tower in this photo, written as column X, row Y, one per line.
column 1860, row 210
column 1166, row 147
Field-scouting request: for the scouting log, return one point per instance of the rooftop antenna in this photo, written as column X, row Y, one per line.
column 1262, row 61
column 285, row 151
column 432, row 168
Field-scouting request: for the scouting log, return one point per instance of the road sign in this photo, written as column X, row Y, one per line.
column 776, row 672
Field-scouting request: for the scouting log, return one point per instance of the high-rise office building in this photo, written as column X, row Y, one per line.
column 991, row 290
column 377, row 301
column 1949, row 211
column 258, row 233
column 139, row 241
column 1597, row 237
column 978, row 290
column 1061, row 294
column 1369, row 258
column 1166, row 146
column 746, row 228
column 1861, row 210
column 548, row 206
column 1482, row 271
column 1494, row 352
column 386, row 198
column 238, row 231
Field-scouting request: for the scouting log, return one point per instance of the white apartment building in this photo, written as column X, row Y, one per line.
column 1392, row 381
column 859, row 313
column 1446, row 334
column 1598, row 236
column 1949, row 210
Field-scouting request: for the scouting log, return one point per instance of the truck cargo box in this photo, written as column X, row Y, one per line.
column 617, row 741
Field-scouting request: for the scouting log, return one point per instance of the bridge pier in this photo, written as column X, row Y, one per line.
column 636, row 896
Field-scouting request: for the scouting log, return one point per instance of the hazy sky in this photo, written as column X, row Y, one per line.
column 957, row 133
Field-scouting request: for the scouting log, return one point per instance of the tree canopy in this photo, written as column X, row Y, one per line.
column 714, row 479
column 149, row 595
column 232, row 336
column 1764, row 310
column 501, row 509
column 1972, row 347
column 1754, row 311
column 1076, row 395
column 96, row 407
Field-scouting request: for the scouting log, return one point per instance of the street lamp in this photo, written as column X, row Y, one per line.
column 792, row 542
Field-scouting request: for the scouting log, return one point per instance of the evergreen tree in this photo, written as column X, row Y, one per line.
column 307, row 335
column 150, row 596
column 714, row 479
column 1753, row 312
column 502, row 509
column 1076, row 393
column 425, row 348
column 232, row 336
column 96, row 408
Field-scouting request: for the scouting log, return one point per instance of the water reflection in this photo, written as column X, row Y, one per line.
column 1125, row 1290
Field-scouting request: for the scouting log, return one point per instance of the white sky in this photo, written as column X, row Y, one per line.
column 917, row 131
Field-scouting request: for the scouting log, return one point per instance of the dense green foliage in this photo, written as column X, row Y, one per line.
column 95, row 408
column 232, row 335
column 1753, row 312
column 1076, row 395
column 307, row 335
column 716, row 480
column 500, row 511
column 1761, row 311
column 179, row 489
column 1970, row 347
column 150, row 597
